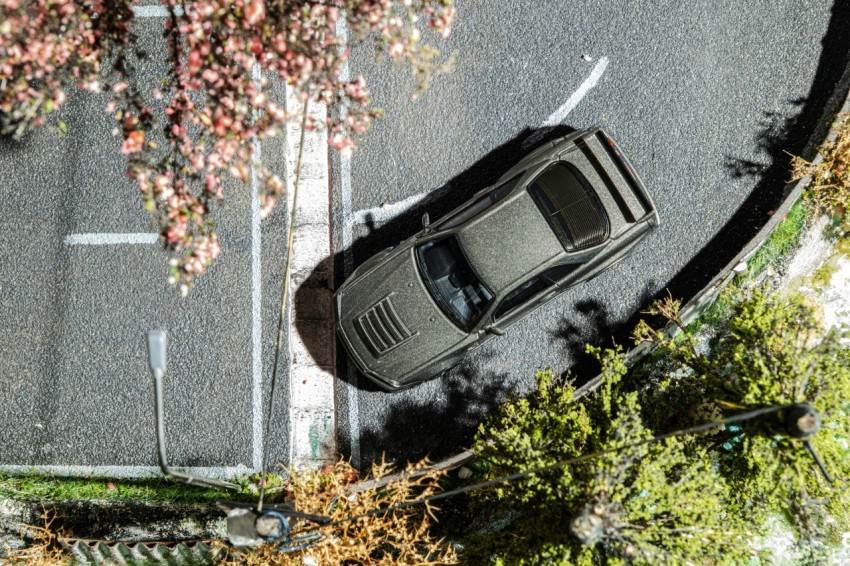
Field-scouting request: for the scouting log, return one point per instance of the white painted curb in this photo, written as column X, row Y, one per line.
column 312, row 414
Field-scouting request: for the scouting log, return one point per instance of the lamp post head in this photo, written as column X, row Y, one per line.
column 156, row 352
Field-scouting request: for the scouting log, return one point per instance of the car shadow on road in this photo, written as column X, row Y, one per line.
column 461, row 396
column 375, row 238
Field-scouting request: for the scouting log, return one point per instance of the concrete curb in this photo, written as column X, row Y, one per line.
column 312, row 372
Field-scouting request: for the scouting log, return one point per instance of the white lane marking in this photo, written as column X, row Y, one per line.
column 384, row 213
column 256, row 305
column 348, row 265
column 110, row 238
column 125, row 471
column 561, row 113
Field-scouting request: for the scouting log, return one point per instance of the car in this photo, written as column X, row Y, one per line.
column 561, row 216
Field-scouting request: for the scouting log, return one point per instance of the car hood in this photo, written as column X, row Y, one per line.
column 390, row 320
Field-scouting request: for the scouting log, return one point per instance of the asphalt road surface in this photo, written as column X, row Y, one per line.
column 703, row 97
column 703, row 100
column 73, row 363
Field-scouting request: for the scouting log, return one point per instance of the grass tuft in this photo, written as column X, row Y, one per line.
column 51, row 488
column 781, row 241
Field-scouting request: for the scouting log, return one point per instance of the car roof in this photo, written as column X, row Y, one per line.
column 510, row 242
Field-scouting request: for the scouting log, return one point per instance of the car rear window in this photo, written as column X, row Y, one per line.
column 570, row 206
column 455, row 287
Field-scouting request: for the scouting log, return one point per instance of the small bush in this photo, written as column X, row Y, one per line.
column 829, row 189
column 774, row 352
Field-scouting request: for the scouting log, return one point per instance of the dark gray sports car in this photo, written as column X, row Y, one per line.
column 561, row 216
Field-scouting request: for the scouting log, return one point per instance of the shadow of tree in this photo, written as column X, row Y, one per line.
column 781, row 137
column 593, row 324
column 125, row 521
column 438, row 426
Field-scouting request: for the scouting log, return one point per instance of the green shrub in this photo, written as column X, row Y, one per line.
column 654, row 503
column 773, row 351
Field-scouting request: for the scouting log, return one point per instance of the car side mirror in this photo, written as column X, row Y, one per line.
column 494, row 330
column 426, row 221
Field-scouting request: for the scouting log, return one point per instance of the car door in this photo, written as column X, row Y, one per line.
column 527, row 296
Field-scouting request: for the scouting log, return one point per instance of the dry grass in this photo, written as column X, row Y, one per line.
column 397, row 537
column 401, row 536
column 829, row 189
column 44, row 549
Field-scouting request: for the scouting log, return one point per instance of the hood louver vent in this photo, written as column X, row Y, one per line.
column 381, row 329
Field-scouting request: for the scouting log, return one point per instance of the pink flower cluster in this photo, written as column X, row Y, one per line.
column 216, row 101
column 47, row 45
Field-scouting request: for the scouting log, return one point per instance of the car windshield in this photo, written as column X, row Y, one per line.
column 454, row 286
column 570, row 206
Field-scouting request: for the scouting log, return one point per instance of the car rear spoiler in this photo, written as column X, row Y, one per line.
column 629, row 191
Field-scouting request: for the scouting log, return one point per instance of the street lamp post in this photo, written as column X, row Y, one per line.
column 156, row 359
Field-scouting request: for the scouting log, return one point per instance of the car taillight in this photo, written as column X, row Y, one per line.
column 616, row 151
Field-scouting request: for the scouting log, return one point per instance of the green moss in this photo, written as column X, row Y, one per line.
column 822, row 276
column 44, row 487
column 781, row 241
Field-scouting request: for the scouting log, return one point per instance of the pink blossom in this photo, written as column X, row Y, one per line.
column 209, row 75
column 344, row 144
column 134, row 142
column 240, row 171
column 267, row 206
column 194, row 62
column 396, row 49
column 47, row 46
column 255, row 11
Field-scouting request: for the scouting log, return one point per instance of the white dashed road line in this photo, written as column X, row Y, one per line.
column 110, row 238
column 384, row 213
